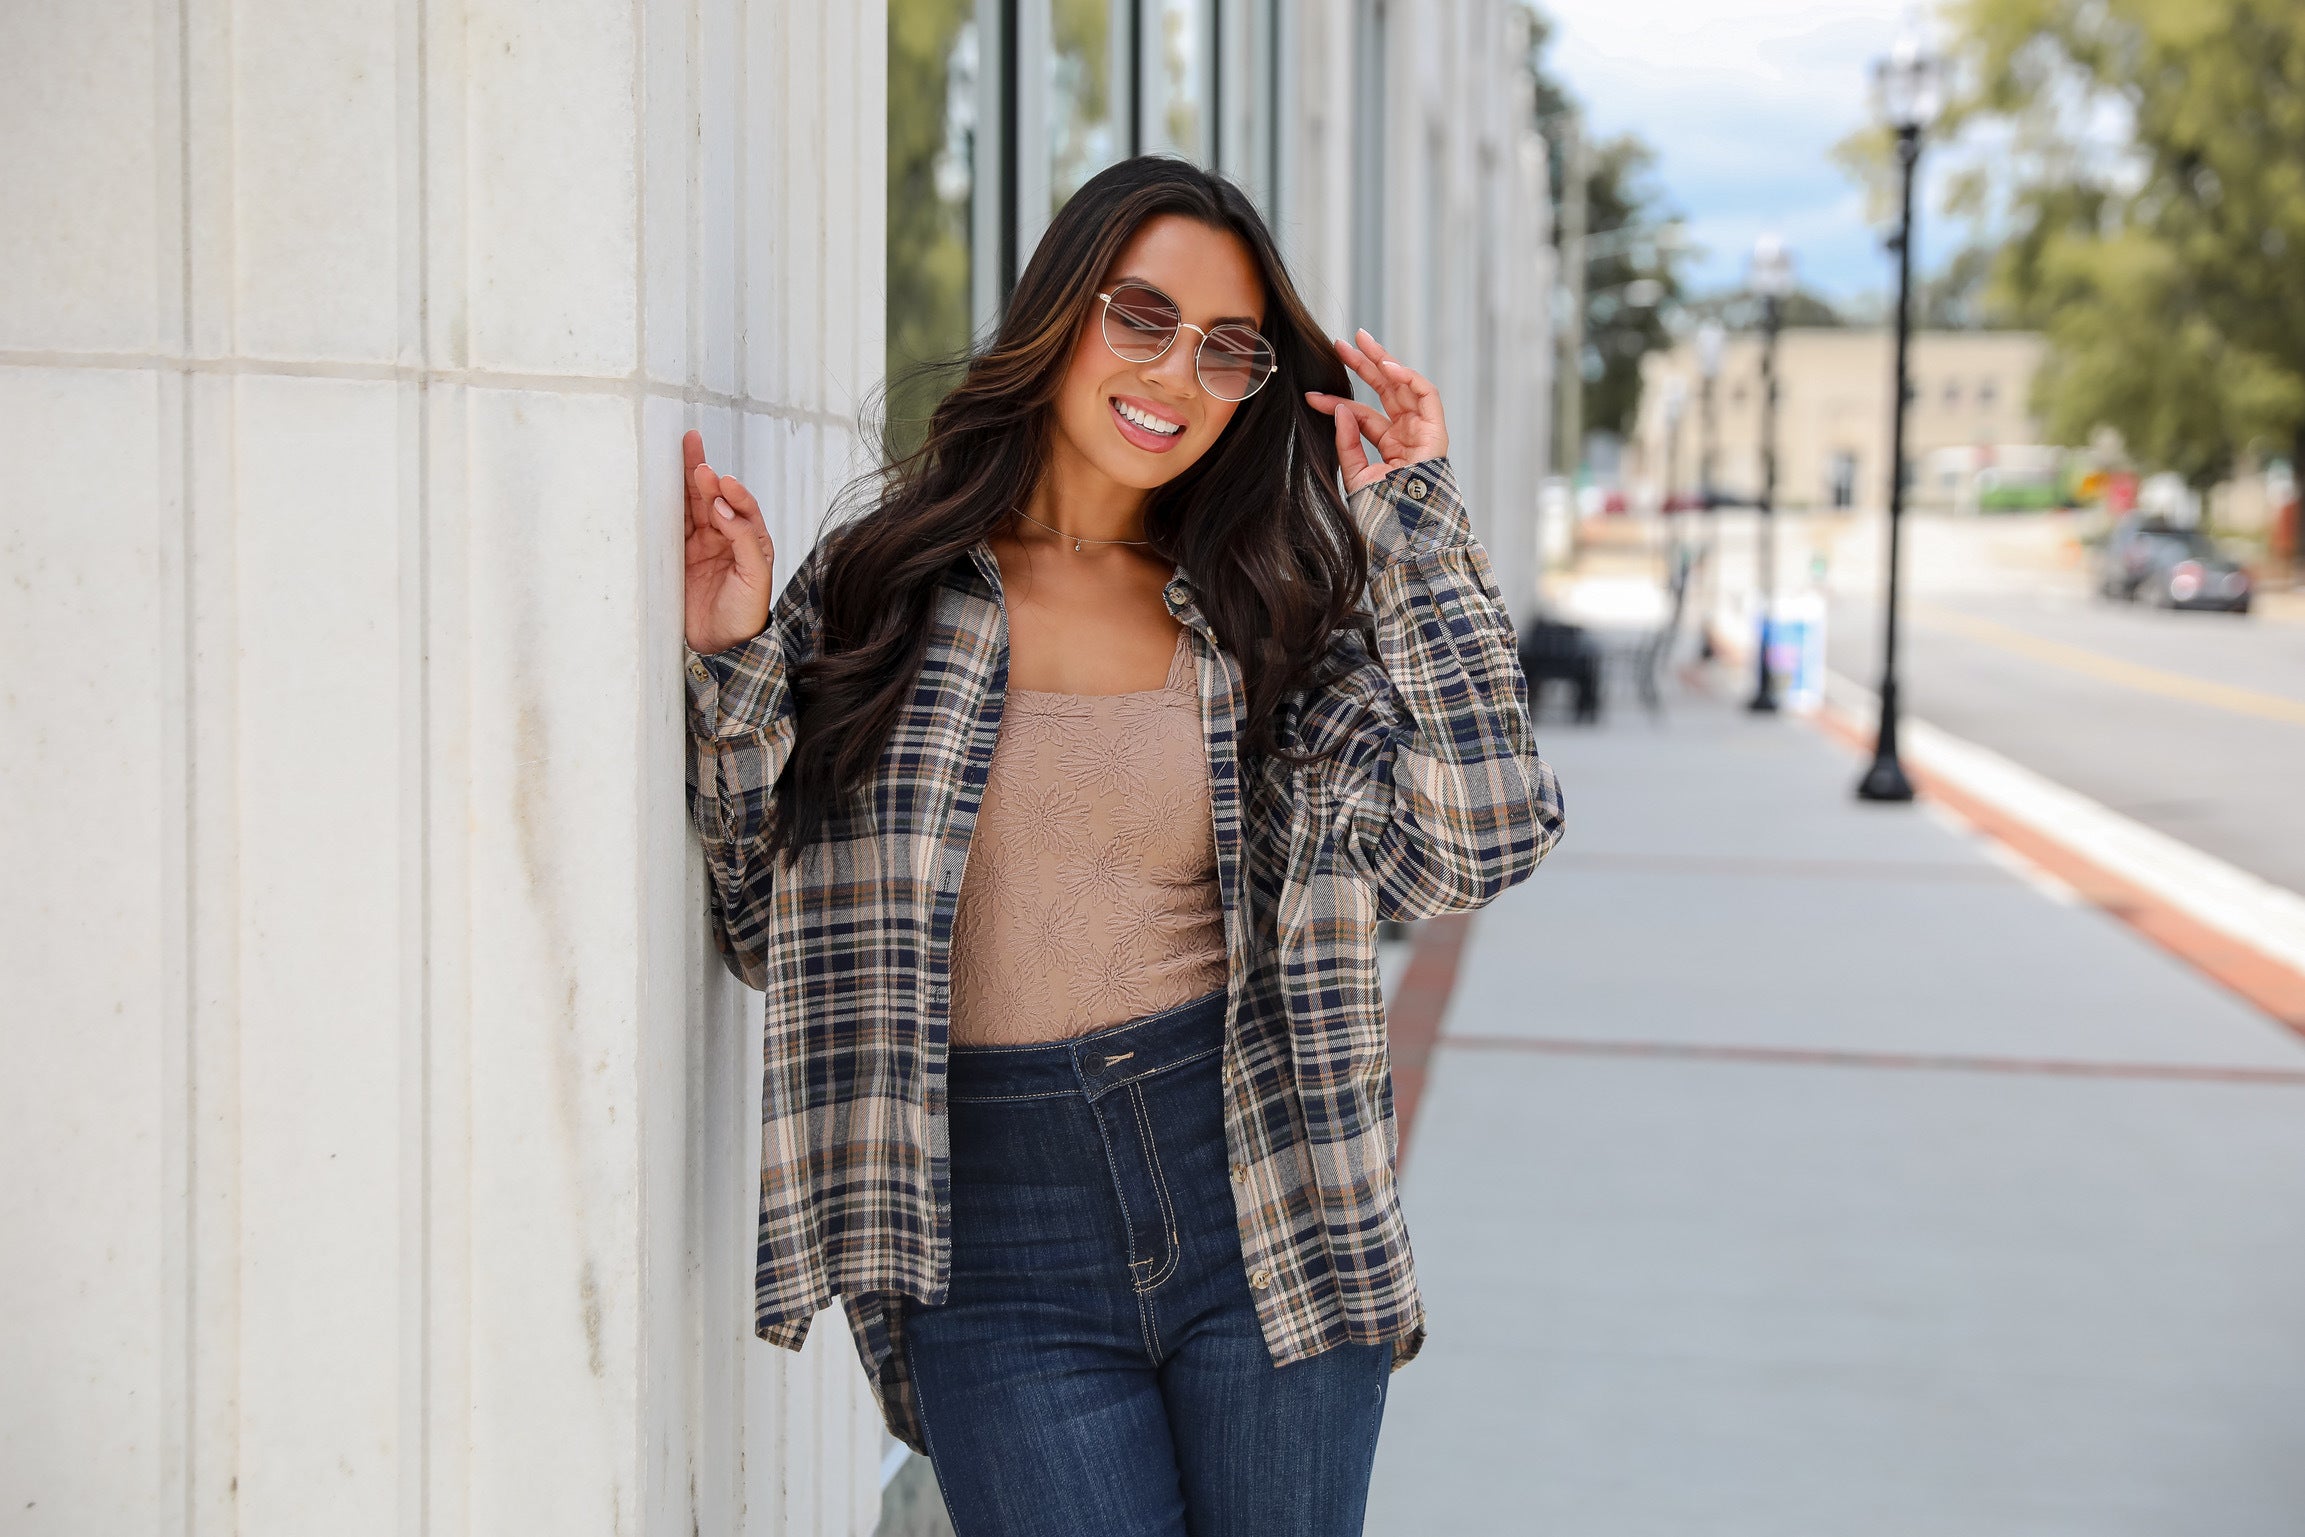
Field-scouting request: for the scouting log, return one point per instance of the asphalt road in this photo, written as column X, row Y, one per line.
column 2191, row 723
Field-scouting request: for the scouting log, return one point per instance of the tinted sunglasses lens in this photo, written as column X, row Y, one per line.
column 1234, row 361
column 1139, row 323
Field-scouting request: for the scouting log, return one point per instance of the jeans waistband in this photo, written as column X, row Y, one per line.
column 1089, row 1064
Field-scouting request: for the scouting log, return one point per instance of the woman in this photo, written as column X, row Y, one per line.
column 1054, row 807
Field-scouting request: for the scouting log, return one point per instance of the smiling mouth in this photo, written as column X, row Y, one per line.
column 1138, row 417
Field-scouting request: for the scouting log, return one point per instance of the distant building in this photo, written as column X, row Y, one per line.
column 1971, row 432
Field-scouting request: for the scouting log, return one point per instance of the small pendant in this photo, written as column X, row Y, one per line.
column 1076, row 546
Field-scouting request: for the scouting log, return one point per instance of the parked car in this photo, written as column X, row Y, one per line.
column 2153, row 561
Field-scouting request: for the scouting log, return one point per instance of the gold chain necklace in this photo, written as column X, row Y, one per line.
column 1077, row 540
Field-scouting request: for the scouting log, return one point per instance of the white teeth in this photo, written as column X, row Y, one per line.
column 1147, row 420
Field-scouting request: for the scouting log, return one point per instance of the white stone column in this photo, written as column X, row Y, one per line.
column 379, row 1130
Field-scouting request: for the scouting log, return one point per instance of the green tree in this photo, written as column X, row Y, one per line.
column 1622, row 202
column 1961, row 295
column 1622, row 198
column 2163, row 269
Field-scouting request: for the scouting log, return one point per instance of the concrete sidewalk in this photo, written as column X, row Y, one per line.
column 1795, row 1167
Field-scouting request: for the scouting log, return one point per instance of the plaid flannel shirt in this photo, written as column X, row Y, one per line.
column 1433, row 801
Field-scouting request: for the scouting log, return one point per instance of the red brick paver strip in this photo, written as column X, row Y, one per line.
column 2276, row 989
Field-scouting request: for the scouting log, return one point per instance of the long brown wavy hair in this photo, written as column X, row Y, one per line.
column 1259, row 522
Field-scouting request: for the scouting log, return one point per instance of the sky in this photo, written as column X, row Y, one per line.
column 1743, row 101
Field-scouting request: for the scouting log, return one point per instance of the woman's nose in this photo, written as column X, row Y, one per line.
column 1175, row 367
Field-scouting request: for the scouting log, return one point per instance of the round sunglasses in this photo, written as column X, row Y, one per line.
column 1140, row 323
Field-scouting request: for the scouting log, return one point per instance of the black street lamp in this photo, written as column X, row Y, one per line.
column 1906, row 85
column 1709, row 338
column 1772, row 279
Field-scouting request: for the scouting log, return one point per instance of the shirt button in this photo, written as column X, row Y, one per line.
column 1176, row 592
column 1241, row 1172
column 1261, row 1279
column 1417, row 490
column 698, row 671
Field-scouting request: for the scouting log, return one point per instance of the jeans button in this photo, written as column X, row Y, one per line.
column 1094, row 1064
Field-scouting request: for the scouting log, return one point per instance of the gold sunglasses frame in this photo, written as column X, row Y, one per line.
column 1182, row 326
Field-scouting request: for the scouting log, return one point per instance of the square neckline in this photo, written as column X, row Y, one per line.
column 1179, row 673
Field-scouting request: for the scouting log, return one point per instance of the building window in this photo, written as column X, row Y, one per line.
column 1177, row 95
column 1841, row 479
column 1089, row 89
column 1000, row 110
column 933, row 102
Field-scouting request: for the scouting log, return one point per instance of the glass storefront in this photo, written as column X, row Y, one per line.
column 1076, row 85
column 1088, row 91
column 1177, row 107
column 934, row 63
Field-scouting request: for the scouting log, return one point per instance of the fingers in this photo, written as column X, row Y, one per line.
column 1360, row 363
column 1352, row 459
column 1400, row 387
column 1373, row 422
column 1420, row 390
column 1356, row 422
column 739, row 517
column 701, row 483
column 1369, row 345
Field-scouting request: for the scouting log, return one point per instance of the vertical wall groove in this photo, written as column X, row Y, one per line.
column 408, row 1174
column 414, row 191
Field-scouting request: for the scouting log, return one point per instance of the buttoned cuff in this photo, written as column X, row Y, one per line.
column 1416, row 507
column 708, row 674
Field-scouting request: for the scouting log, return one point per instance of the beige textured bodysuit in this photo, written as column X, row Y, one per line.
column 1090, row 896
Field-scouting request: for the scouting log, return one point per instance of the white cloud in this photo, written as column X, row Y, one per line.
column 1743, row 101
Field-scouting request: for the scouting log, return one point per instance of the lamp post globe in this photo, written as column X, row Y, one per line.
column 1907, row 92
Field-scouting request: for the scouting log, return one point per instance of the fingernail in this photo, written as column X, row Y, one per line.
column 720, row 505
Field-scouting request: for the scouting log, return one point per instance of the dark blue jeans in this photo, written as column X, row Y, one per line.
column 1097, row 1366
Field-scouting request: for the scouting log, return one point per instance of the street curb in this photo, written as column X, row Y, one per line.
column 2239, row 930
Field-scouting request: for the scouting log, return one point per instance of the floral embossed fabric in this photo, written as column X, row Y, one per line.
column 1090, row 896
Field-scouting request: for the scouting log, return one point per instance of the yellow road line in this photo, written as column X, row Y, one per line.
column 2095, row 664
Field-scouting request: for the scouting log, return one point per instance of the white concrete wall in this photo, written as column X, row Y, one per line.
column 379, row 1130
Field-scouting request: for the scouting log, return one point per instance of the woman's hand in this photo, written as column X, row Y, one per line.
column 1407, row 430
column 729, row 556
